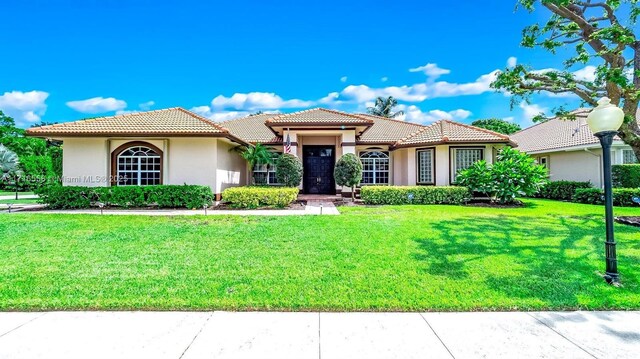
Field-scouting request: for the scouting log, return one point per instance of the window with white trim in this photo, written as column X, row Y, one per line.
column 266, row 174
column 463, row 158
column 375, row 167
column 628, row 156
column 425, row 166
column 139, row 166
column 543, row 161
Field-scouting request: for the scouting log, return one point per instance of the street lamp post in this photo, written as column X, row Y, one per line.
column 604, row 121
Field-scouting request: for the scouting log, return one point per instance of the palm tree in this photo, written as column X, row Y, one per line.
column 384, row 107
column 9, row 167
column 257, row 154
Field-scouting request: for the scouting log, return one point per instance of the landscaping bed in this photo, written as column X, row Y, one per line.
column 296, row 205
column 630, row 220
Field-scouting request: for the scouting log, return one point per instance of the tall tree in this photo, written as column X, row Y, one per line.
column 384, row 107
column 497, row 125
column 601, row 33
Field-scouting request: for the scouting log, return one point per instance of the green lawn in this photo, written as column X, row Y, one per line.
column 9, row 193
column 19, row 201
column 406, row 258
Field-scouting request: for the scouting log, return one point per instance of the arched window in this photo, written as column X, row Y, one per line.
column 375, row 167
column 137, row 164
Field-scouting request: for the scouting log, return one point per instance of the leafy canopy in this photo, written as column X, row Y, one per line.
column 384, row 107
column 497, row 125
column 600, row 34
column 348, row 171
column 289, row 170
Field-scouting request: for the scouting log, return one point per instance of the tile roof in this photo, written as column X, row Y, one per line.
column 445, row 131
column 319, row 116
column 171, row 121
column 387, row 130
column 252, row 129
column 556, row 134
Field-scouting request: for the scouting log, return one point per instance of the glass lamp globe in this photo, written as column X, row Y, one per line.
column 605, row 117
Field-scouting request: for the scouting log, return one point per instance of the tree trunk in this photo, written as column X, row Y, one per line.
column 629, row 134
column 353, row 194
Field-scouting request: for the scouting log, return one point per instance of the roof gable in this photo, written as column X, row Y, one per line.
column 318, row 116
column 446, row 131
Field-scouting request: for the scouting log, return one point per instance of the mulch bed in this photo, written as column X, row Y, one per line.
column 630, row 220
column 295, row 206
column 489, row 204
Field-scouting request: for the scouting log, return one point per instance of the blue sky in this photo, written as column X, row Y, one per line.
column 67, row 60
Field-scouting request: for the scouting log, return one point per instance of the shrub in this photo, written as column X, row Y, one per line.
column 626, row 176
column 348, row 172
column 413, row 195
column 289, row 170
column 36, row 171
column 162, row 196
column 561, row 190
column 513, row 174
column 254, row 197
column 621, row 196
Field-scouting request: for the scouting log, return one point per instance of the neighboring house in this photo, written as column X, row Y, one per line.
column 176, row 146
column 569, row 150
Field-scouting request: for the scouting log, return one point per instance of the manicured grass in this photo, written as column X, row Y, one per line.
column 9, row 193
column 406, row 258
column 19, row 201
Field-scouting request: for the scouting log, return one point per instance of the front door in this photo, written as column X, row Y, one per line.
column 318, row 169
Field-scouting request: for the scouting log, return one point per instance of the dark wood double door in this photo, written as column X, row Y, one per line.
column 318, row 164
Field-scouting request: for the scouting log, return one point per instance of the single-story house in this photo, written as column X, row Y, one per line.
column 569, row 149
column 176, row 146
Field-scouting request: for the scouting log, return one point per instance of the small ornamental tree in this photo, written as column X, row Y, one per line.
column 289, row 170
column 513, row 174
column 348, row 172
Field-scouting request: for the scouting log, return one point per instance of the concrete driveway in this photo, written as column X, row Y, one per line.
column 319, row 335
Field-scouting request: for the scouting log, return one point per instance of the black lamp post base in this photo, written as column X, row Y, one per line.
column 612, row 278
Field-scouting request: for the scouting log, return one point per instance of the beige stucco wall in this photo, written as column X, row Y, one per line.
column 85, row 162
column 576, row 166
column 232, row 169
column 192, row 161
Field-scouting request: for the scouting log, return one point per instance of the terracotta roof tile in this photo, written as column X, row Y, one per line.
column 556, row 134
column 172, row 121
column 252, row 129
column 445, row 131
column 319, row 115
column 387, row 130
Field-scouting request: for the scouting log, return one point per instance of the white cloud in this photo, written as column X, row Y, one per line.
column 343, row 79
column 97, row 105
column 509, row 119
column 25, row 107
column 218, row 116
column 512, row 61
column 431, row 70
column 384, row 79
column 146, row 106
column 587, row 73
column 256, row 101
column 529, row 111
column 413, row 113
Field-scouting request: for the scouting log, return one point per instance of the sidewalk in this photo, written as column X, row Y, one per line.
column 188, row 335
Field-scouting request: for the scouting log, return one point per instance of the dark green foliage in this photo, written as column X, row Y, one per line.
column 348, row 171
column 376, row 195
column 36, row 171
column 626, row 176
column 288, row 170
column 497, row 125
column 621, row 196
column 254, row 197
column 384, row 107
column 162, row 196
column 561, row 190
column 513, row 174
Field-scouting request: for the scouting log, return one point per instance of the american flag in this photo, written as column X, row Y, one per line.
column 287, row 145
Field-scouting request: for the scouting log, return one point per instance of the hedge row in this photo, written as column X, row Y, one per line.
column 561, row 190
column 163, row 196
column 377, row 195
column 621, row 196
column 626, row 176
column 255, row 196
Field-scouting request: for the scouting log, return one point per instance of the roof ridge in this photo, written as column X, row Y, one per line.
column 202, row 118
column 129, row 114
column 477, row 128
column 391, row 119
column 286, row 115
column 413, row 134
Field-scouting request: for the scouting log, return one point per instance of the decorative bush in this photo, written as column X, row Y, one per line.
column 561, row 190
column 413, row 195
column 513, row 174
column 626, row 176
column 162, row 196
column 36, row 171
column 621, row 196
column 289, row 170
column 254, row 197
column 348, row 172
